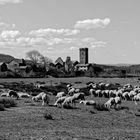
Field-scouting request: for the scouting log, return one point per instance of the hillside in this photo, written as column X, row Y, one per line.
column 5, row 58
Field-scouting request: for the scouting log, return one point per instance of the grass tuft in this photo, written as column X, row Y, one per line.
column 48, row 116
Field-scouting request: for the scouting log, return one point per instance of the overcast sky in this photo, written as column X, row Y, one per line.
column 109, row 28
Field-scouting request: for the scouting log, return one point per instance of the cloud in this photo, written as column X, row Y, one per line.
column 10, row 1
column 3, row 25
column 73, row 48
column 49, row 32
column 92, row 42
column 9, row 34
column 92, row 23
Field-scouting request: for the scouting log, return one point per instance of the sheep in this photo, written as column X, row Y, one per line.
column 23, row 95
column 5, row 94
column 119, row 92
column 106, row 94
column 98, row 92
column 79, row 96
column 92, row 92
column 60, row 94
column 60, row 100
column 73, row 90
column 112, row 93
column 72, row 99
column 101, row 86
column 136, row 98
column 13, row 94
column 109, row 103
column 125, row 96
column 41, row 96
column 45, row 99
column 117, row 101
column 88, row 102
column 68, row 100
column 69, row 85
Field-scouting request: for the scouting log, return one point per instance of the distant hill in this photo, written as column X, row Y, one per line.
column 5, row 58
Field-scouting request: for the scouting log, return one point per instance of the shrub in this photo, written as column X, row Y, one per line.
column 48, row 116
column 100, row 107
column 31, row 104
column 2, row 107
column 8, row 102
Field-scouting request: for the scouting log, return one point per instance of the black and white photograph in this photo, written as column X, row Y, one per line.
column 69, row 69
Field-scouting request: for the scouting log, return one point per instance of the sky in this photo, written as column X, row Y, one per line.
column 58, row 28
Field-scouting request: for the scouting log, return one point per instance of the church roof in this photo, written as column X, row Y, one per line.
column 59, row 60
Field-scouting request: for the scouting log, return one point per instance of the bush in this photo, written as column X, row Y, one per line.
column 8, row 102
column 2, row 107
column 100, row 107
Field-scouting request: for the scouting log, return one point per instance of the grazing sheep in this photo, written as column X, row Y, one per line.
column 60, row 94
column 125, row 96
column 60, row 100
column 98, row 92
column 117, row 101
column 88, row 102
column 136, row 98
column 72, row 99
column 45, row 99
column 69, row 85
column 109, row 103
column 13, row 94
column 5, row 94
column 68, row 100
column 92, row 92
column 23, row 95
column 41, row 96
column 79, row 96
column 73, row 90
column 106, row 93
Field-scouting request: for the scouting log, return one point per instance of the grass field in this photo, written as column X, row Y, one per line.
column 27, row 122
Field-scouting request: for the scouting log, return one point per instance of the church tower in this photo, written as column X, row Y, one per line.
column 83, row 55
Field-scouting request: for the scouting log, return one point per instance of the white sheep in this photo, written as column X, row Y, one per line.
column 72, row 99
column 23, row 95
column 60, row 94
column 41, row 96
column 92, row 92
column 109, row 103
column 117, row 101
column 88, row 102
column 59, row 101
column 68, row 100
column 13, row 94
column 5, row 94
column 136, row 98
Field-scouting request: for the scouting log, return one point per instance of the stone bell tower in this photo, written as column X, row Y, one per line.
column 83, row 55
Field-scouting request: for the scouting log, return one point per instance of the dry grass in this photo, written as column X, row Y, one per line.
column 27, row 122
column 83, row 122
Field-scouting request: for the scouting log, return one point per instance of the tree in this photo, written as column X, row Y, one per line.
column 97, row 70
column 35, row 56
column 46, row 62
column 3, row 67
column 40, row 62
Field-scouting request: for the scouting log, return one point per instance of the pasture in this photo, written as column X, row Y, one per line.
column 26, row 121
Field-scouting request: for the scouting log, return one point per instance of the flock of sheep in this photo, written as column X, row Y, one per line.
column 114, row 92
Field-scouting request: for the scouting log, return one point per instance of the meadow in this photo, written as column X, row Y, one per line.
column 26, row 121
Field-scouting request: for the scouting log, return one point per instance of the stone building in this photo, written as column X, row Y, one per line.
column 83, row 56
